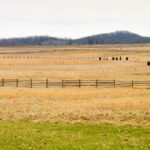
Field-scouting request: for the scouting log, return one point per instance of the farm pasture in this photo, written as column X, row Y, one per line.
column 79, row 117
column 97, row 105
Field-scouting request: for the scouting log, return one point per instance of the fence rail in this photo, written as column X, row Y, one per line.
column 30, row 83
column 107, row 54
column 123, row 52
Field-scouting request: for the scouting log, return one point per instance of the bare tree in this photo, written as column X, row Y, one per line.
column 70, row 42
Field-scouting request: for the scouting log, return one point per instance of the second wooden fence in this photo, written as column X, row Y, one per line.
column 30, row 83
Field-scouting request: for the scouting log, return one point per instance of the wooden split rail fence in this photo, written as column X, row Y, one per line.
column 108, row 53
column 122, row 52
column 72, row 83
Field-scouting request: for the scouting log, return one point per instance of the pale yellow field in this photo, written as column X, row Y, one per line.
column 119, row 106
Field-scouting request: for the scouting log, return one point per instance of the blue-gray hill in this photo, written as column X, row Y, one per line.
column 118, row 37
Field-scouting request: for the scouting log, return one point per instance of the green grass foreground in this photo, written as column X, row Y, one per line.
column 50, row 136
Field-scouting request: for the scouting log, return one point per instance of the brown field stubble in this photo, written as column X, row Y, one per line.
column 118, row 106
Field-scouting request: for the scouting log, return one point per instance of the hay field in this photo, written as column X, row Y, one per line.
column 117, row 106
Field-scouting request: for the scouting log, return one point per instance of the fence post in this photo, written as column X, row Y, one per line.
column 46, row 83
column 17, row 82
column 114, row 83
column 96, row 83
column 132, row 84
column 79, row 83
column 62, row 83
column 3, row 81
column 31, row 83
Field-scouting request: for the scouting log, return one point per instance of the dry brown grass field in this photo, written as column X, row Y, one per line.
column 95, row 105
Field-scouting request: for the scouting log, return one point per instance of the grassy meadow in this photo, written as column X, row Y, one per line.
column 83, row 118
column 46, row 136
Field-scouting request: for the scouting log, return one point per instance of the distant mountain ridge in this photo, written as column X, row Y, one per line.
column 32, row 41
column 118, row 37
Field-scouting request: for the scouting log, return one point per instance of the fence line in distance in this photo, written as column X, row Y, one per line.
column 30, row 83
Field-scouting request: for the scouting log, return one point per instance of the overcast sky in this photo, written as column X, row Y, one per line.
column 72, row 18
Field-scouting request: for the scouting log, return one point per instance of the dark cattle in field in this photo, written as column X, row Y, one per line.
column 148, row 63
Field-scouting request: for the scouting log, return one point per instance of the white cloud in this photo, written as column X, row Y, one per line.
column 72, row 17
